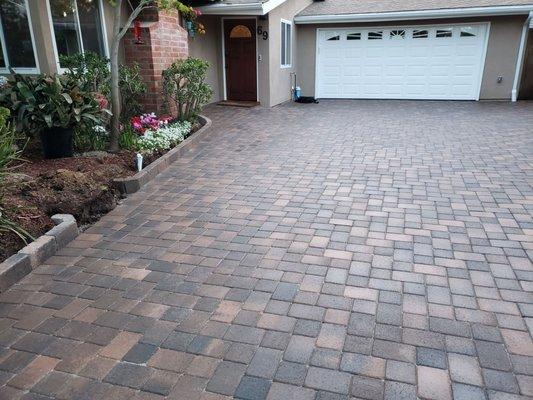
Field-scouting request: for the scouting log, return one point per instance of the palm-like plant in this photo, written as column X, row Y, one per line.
column 9, row 157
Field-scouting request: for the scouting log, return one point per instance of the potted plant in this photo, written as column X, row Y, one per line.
column 52, row 106
column 190, row 15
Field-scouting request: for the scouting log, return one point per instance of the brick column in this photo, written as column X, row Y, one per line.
column 164, row 41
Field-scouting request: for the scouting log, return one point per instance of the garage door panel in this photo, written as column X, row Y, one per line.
column 403, row 62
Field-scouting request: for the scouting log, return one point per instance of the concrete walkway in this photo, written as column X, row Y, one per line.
column 350, row 249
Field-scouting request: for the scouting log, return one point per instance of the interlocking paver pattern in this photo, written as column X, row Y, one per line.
column 345, row 250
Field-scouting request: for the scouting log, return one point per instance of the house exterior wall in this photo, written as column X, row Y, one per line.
column 208, row 47
column 502, row 52
column 43, row 36
column 280, row 78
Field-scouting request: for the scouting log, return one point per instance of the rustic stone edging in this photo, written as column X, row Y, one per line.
column 133, row 183
column 22, row 263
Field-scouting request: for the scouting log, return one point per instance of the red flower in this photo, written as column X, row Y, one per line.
column 101, row 100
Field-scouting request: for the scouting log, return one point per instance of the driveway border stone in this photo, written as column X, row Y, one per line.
column 133, row 183
column 37, row 252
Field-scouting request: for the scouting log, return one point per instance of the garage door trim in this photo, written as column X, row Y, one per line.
column 485, row 24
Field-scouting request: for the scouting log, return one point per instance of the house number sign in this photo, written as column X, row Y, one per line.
column 262, row 33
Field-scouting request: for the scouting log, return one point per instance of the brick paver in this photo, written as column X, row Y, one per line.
column 371, row 249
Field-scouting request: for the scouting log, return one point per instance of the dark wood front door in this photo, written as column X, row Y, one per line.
column 240, row 53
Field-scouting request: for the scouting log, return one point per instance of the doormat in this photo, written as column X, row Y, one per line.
column 236, row 103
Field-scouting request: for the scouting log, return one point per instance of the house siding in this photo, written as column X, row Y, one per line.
column 208, row 47
column 280, row 78
column 502, row 52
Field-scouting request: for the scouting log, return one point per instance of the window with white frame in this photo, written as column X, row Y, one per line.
column 77, row 26
column 286, row 43
column 17, row 48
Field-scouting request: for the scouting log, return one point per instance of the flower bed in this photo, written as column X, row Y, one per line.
column 158, row 133
column 81, row 185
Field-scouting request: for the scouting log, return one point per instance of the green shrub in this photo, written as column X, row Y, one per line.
column 9, row 153
column 9, row 157
column 132, row 89
column 92, row 71
column 44, row 102
column 91, row 137
column 4, row 116
column 185, row 88
column 128, row 139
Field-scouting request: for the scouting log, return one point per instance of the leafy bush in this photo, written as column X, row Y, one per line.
column 9, row 152
column 92, row 71
column 128, row 139
column 4, row 116
column 44, row 102
column 132, row 89
column 185, row 88
column 9, row 156
column 89, row 138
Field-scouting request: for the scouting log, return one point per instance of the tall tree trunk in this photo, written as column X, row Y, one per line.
column 115, row 90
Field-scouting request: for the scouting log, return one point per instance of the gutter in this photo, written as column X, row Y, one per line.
column 413, row 15
column 232, row 9
column 520, row 59
column 258, row 8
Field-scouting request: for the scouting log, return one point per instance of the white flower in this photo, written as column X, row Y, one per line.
column 3, row 81
column 164, row 137
column 99, row 129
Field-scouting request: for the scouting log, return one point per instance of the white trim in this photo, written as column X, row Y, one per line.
column 286, row 22
column 224, row 84
column 258, row 8
column 78, row 29
column 484, row 58
column 271, row 4
column 20, row 70
column 224, row 87
column 104, row 29
column 229, row 9
column 317, row 70
column 482, row 65
column 4, row 70
column 413, row 15
column 520, row 57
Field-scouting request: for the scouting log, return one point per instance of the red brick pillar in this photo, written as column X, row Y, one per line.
column 164, row 41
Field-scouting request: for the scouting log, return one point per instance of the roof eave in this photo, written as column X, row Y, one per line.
column 232, row 9
column 258, row 8
column 414, row 15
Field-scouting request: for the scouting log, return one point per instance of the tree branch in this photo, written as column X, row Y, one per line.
column 143, row 5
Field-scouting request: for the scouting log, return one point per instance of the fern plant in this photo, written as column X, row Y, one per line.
column 9, row 157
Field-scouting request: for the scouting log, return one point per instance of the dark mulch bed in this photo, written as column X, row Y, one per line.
column 80, row 186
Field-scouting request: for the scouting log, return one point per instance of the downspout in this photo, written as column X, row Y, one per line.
column 520, row 59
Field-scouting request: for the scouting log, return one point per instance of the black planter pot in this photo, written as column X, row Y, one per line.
column 57, row 142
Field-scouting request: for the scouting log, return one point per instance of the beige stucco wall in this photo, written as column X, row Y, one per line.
column 280, row 78
column 208, row 47
column 42, row 33
column 502, row 53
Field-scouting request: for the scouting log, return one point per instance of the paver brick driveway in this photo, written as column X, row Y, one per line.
column 342, row 250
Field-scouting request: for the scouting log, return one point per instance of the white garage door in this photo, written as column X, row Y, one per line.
column 418, row 62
